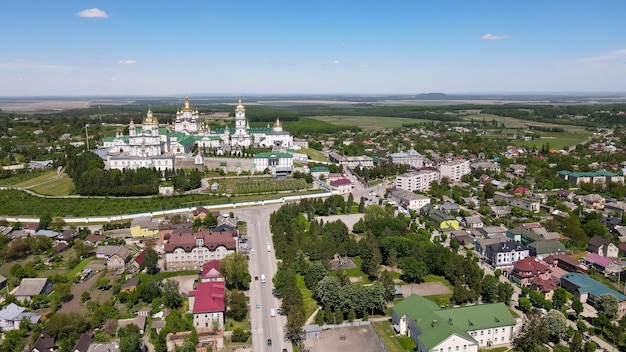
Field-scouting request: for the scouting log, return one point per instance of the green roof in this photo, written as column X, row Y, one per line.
column 273, row 155
column 547, row 246
column 438, row 324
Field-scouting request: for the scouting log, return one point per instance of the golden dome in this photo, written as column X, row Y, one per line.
column 187, row 106
column 277, row 123
column 240, row 106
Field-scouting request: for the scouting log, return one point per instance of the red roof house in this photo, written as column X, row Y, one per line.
column 208, row 307
column 211, row 271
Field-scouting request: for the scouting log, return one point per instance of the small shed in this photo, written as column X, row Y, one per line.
column 312, row 332
column 215, row 186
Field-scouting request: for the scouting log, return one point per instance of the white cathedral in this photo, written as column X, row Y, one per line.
column 151, row 146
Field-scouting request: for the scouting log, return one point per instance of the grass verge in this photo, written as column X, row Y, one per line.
column 78, row 268
column 61, row 186
column 390, row 339
column 310, row 305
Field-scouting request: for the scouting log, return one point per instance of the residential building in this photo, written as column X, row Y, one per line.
column 505, row 254
column 417, row 180
column 473, row 222
column 116, row 257
column 566, row 263
column 320, row 172
column 490, row 231
column 206, row 303
column 411, row 158
column 455, row 169
column 587, row 290
column 341, row 185
column 522, row 235
column 602, row 246
column 599, row 177
column 454, row 329
column 130, row 285
column 211, row 271
column 144, row 227
column 190, row 252
column 486, row 165
column 409, row 200
column 532, row 273
column 440, row 219
column 31, row 287
column 83, row 343
column 545, row 248
column 530, row 205
column 605, row 265
column 44, row 343
column 481, row 243
column 12, row 314
column 352, row 162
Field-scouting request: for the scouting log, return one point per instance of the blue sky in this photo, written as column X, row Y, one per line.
column 238, row 47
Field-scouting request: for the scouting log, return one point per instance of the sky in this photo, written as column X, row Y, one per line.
column 187, row 47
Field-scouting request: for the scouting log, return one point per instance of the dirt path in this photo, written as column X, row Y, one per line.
column 77, row 290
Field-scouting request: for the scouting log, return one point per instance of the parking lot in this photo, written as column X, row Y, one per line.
column 355, row 338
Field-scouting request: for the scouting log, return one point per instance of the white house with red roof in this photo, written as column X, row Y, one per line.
column 207, row 305
column 211, row 272
column 341, row 185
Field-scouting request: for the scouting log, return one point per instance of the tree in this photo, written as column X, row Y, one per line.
column 64, row 291
column 524, row 304
column 171, row 294
column 534, row 331
column 327, row 291
column 103, row 283
column 577, row 306
column 370, row 253
column 151, row 261
column 349, row 203
column 386, row 280
column 576, row 343
column 314, row 273
column 82, row 248
column 559, row 298
column 413, row 270
column 234, row 269
column 557, row 325
column 130, row 338
column 490, row 289
column 362, row 205
column 295, row 322
column 238, row 305
column 607, row 305
column 240, row 335
column 505, row 292
column 44, row 221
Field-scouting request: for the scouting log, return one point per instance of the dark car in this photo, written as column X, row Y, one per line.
column 269, row 342
column 284, row 350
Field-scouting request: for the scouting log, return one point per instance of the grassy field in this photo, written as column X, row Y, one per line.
column 391, row 340
column 57, row 186
column 27, row 179
column 78, row 268
column 313, row 154
column 357, row 273
column 368, row 122
column 310, row 305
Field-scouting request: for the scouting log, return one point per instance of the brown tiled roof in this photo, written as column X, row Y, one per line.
column 598, row 241
column 211, row 240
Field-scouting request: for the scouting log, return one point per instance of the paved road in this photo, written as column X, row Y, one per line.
column 262, row 262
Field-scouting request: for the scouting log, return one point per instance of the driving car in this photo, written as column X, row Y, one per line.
column 269, row 342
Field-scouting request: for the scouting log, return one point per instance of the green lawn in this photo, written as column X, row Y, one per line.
column 310, row 305
column 441, row 300
column 232, row 324
column 78, row 268
column 27, row 179
column 258, row 185
column 391, row 340
column 313, row 154
column 357, row 273
column 61, row 186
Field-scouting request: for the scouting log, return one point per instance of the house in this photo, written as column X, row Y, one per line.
column 440, row 219
column 211, row 271
column 116, row 256
column 311, row 332
column 130, row 285
column 206, row 303
column 490, row 231
column 603, row 247
column 140, row 321
column 95, row 240
column 545, row 248
column 529, row 205
column 341, row 185
column 522, row 235
column 608, row 266
column 481, row 244
column 587, row 290
column 144, row 227
column 190, row 252
column 505, row 254
column 104, row 347
column 593, row 201
column 409, row 200
column 12, row 314
column 67, row 235
column 30, row 287
column 473, row 222
column 454, row 329
column 83, row 343
column 44, row 343
column 566, row 263
column 597, row 177
column 530, row 272
column 320, row 172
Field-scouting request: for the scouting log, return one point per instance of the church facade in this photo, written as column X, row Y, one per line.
column 152, row 146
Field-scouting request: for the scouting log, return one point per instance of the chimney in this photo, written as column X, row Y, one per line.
column 434, row 323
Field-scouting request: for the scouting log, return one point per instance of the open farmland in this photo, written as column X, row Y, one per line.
column 369, row 122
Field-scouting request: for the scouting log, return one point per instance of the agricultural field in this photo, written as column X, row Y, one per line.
column 369, row 123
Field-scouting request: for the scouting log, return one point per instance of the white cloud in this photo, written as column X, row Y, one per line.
column 617, row 57
column 127, row 62
column 490, row 36
column 18, row 59
column 92, row 13
column 336, row 62
column 21, row 65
